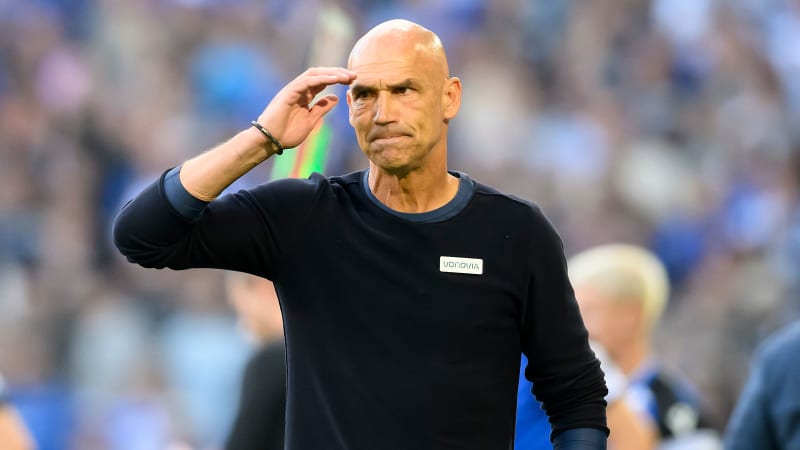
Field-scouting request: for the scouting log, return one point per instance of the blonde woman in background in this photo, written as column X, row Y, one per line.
column 622, row 291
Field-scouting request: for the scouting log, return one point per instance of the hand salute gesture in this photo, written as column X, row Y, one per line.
column 285, row 123
column 291, row 115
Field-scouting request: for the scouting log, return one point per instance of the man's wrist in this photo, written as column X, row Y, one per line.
column 179, row 198
column 258, row 141
column 272, row 140
column 581, row 439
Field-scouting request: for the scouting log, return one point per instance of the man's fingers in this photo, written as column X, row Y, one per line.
column 323, row 105
column 319, row 82
column 320, row 77
column 338, row 71
column 293, row 109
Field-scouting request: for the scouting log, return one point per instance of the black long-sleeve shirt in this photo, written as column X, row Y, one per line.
column 393, row 342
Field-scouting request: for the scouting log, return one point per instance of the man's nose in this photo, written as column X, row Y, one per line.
column 383, row 112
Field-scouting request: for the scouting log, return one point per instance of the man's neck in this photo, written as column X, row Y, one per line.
column 417, row 191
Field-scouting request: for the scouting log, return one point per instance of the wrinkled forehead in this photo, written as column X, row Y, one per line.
column 388, row 69
column 386, row 72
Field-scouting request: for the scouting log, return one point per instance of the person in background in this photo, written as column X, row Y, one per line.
column 767, row 415
column 260, row 420
column 622, row 291
column 14, row 434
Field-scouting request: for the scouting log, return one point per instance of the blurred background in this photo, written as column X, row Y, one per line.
column 674, row 124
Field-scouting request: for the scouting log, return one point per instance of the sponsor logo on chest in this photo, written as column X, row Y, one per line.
column 454, row 264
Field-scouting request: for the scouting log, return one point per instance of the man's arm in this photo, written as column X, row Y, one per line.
column 289, row 118
column 174, row 223
column 566, row 375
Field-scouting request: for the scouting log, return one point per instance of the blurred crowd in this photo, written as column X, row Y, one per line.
column 674, row 124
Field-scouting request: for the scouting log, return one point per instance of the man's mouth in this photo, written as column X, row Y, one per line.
column 389, row 138
column 386, row 135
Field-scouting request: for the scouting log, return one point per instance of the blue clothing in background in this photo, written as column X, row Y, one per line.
column 667, row 400
column 533, row 429
column 671, row 403
column 767, row 416
column 48, row 411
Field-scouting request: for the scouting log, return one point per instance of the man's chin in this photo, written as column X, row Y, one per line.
column 388, row 155
column 394, row 166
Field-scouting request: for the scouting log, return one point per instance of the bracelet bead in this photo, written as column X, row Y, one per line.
column 269, row 136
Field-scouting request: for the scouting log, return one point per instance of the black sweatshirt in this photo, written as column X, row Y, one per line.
column 400, row 334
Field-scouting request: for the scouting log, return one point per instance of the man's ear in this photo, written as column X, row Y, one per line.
column 451, row 97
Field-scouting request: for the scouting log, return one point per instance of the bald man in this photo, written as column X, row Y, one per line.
column 408, row 291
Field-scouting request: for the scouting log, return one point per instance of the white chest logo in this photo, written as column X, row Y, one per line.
column 454, row 264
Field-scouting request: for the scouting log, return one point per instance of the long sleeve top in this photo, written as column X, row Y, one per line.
column 403, row 331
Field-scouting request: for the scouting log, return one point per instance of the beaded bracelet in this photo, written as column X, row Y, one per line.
column 269, row 136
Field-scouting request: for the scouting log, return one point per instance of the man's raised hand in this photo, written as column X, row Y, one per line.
column 292, row 113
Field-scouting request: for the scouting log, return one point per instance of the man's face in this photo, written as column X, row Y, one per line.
column 398, row 105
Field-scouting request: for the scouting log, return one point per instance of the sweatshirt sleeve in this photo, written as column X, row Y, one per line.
column 566, row 375
column 249, row 231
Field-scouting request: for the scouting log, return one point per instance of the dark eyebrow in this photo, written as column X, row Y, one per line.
column 407, row 83
column 358, row 89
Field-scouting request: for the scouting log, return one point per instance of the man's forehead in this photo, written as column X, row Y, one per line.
column 389, row 72
column 397, row 52
column 389, row 56
column 393, row 71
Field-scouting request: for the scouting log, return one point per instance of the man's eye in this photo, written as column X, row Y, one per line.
column 402, row 90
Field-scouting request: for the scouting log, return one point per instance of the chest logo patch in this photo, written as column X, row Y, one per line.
column 453, row 264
